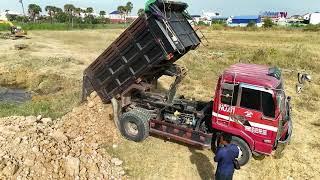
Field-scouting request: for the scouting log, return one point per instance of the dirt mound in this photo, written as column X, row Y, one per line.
column 68, row 148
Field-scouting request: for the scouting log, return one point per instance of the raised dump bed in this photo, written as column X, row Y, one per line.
column 143, row 50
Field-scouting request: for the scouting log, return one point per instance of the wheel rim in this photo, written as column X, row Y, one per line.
column 131, row 128
column 240, row 153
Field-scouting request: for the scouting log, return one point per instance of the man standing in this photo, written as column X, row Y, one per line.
column 225, row 156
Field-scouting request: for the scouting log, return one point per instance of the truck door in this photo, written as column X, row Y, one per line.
column 257, row 106
column 227, row 101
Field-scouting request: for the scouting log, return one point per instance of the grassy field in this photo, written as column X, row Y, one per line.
column 61, row 26
column 51, row 67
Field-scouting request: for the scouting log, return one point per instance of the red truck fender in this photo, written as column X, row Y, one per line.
column 239, row 134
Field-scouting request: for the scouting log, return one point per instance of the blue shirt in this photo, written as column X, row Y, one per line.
column 225, row 157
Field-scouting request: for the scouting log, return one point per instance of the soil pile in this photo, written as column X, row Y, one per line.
column 67, row 148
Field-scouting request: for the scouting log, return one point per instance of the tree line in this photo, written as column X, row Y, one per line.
column 70, row 14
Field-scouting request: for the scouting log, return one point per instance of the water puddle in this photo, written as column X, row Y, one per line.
column 14, row 95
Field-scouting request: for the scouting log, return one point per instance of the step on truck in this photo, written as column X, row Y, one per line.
column 249, row 103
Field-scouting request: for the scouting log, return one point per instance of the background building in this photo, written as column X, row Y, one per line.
column 312, row 18
column 243, row 21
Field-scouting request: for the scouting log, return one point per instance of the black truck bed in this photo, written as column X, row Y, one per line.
column 147, row 45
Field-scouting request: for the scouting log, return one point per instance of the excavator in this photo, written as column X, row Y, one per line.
column 16, row 31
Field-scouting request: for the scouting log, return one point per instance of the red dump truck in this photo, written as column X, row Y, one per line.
column 250, row 102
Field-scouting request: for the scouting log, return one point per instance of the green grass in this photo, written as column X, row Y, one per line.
column 64, row 26
column 50, row 106
column 29, row 108
column 61, row 26
column 4, row 27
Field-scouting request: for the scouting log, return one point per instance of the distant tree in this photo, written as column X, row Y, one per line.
column 90, row 19
column 78, row 11
column 84, row 11
column 140, row 12
column 267, row 23
column 89, row 10
column 251, row 24
column 69, row 9
column 11, row 17
column 22, row 18
column 129, row 7
column 122, row 10
column 51, row 11
column 34, row 10
column 62, row 17
column 102, row 13
column 57, row 10
column 125, row 10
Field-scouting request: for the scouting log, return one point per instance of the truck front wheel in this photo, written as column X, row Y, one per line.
column 245, row 152
column 134, row 125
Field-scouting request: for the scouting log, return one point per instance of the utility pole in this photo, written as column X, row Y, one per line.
column 20, row 1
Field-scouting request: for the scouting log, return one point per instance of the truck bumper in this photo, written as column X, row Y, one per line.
column 283, row 143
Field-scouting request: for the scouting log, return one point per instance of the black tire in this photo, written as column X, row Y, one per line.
column 134, row 125
column 259, row 157
column 245, row 149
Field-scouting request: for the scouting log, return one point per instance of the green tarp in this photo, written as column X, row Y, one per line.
column 148, row 3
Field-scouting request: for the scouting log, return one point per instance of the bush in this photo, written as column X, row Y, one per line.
column 251, row 24
column 219, row 22
column 201, row 23
column 267, row 23
column 217, row 26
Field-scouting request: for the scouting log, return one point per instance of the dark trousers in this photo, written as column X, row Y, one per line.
column 219, row 176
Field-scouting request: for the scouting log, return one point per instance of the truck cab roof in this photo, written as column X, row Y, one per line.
column 259, row 75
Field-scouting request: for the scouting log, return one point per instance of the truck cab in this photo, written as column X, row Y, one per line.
column 250, row 104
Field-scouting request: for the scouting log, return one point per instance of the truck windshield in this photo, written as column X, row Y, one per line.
column 259, row 101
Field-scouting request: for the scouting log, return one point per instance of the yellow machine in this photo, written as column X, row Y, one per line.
column 16, row 31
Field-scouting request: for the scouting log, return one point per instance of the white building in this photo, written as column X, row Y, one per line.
column 209, row 15
column 312, row 18
column 9, row 12
column 206, row 18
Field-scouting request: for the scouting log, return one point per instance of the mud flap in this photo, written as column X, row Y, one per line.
column 283, row 143
column 116, row 111
column 87, row 88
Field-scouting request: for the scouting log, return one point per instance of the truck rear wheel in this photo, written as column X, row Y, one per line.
column 245, row 153
column 134, row 125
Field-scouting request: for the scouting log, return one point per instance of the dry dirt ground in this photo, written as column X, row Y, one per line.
column 84, row 142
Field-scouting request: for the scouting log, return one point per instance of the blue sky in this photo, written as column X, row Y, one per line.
column 225, row 7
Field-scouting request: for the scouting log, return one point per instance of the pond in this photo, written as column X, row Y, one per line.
column 14, row 95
